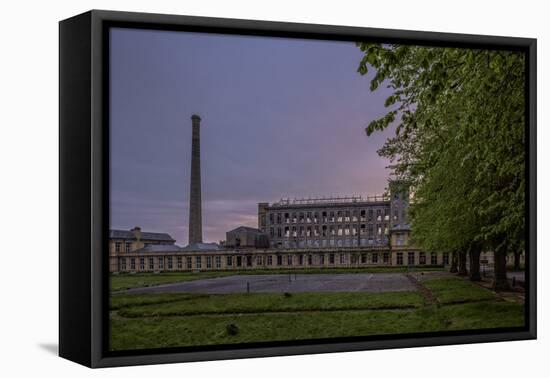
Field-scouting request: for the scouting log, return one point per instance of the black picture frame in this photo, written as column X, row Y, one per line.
column 83, row 180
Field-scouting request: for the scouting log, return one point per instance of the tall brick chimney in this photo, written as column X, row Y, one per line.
column 195, row 204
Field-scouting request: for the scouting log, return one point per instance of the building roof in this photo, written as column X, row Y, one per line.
column 155, row 236
column 159, row 248
column 248, row 229
column 202, row 247
column 401, row 227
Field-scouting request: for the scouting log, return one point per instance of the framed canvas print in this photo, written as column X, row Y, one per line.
column 234, row 188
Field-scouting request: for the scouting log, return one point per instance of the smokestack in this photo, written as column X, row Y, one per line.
column 195, row 204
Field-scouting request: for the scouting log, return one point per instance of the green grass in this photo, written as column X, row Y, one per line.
column 209, row 330
column 450, row 290
column 125, row 281
column 134, row 306
column 143, row 321
column 174, row 331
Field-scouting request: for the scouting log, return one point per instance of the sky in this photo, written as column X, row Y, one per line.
column 280, row 118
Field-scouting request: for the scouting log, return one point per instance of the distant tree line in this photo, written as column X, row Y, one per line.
column 460, row 142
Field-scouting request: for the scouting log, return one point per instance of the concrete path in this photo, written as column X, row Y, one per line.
column 280, row 283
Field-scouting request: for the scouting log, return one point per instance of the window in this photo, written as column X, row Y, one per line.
column 189, row 262
column 151, row 263
column 400, row 239
column 133, row 264
column 198, row 263
column 258, row 260
column 279, row 260
column 433, row 258
column 342, row 258
column 386, row 257
column 117, row 246
column 289, row 260
column 375, row 258
column 321, row 259
column 170, row 266
column 239, row 260
column 309, row 260
column 122, row 264
column 128, row 247
column 271, row 232
column 270, row 260
column 229, row 261
column 410, row 258
column 331, row 259
column 378, row 215
column 271, row 218
column 301, row 258
column 141, row 263
column 218, row 262
column 279, row 232
column 363, row 258
column 422, row 258
column 161, row 263
column 180, row 264
column 446, row 258
column 399, row 258
column 371, row 212
column 208, row 262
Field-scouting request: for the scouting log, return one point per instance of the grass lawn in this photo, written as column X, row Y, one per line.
column 142, row 321
column 450, row 290
column 136, row 306
column 125, row 281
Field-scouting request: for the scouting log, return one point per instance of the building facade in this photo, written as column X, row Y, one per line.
column 336, row 222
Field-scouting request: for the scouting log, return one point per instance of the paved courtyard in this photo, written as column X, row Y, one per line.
column 291, row 283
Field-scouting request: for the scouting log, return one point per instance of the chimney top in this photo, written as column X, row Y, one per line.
column 195, row 118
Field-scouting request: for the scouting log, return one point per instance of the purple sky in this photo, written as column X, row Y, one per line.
column 280, row 118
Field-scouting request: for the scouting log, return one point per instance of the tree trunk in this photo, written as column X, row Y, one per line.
column 517, row 260
column 454, row 263
column 462, row 270
column 501, row 281
column 475, row 252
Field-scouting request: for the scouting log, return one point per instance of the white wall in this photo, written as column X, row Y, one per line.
column 29, row 189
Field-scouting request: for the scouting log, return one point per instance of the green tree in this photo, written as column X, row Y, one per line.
column 459, row 117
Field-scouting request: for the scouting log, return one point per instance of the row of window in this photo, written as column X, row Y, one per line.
column 330, row 216
column 127, row 246
column 327, row 243
column 339, row 230
column 196, row 262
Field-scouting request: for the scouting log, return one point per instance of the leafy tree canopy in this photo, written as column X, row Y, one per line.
column 460, row 118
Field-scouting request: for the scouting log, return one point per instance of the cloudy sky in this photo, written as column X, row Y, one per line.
column 280, row 118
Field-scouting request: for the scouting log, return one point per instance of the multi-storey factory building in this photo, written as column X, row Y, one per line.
column 335, row 222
